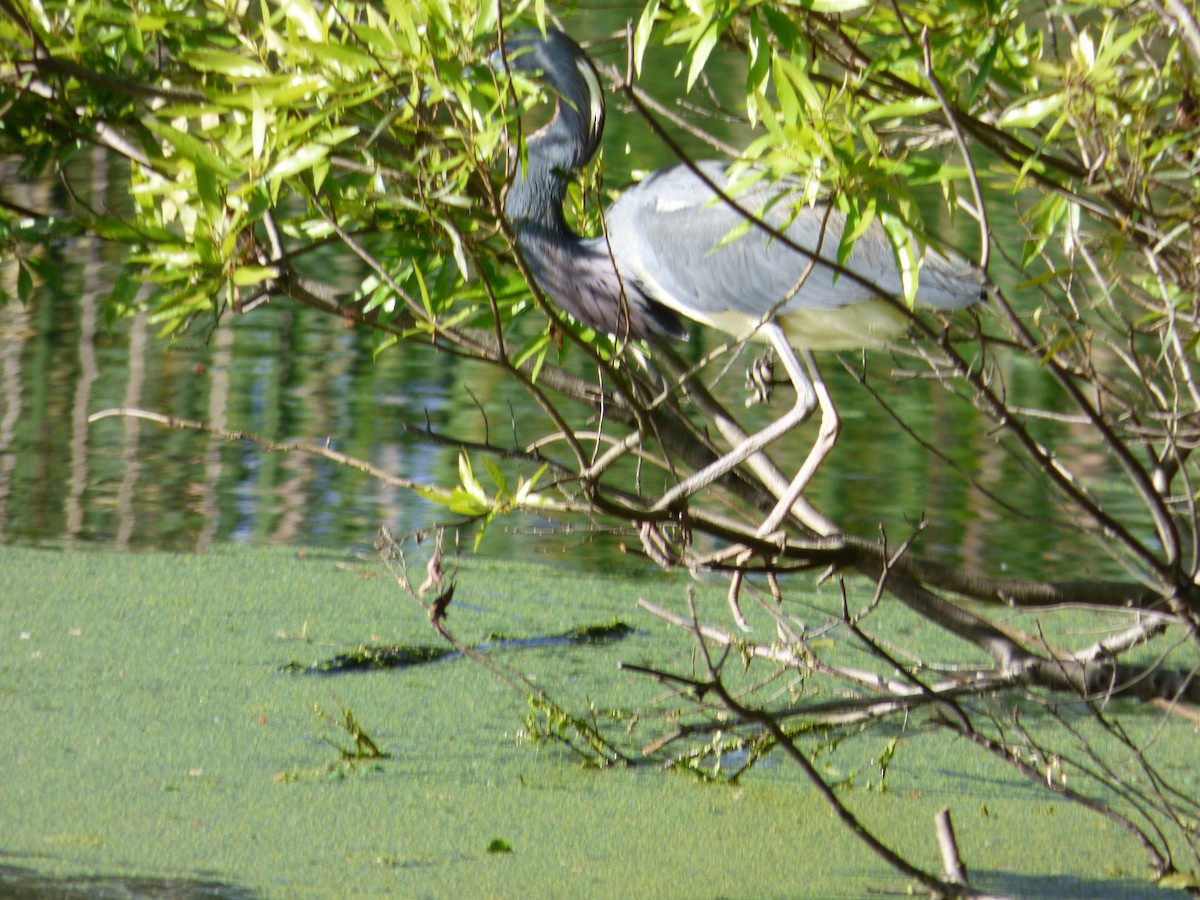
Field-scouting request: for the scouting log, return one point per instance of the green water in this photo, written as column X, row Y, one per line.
column 151, row 731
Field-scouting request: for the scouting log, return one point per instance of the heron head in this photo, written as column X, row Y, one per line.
column 561, row 63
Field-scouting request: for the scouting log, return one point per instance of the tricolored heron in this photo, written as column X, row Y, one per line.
column 666, row 252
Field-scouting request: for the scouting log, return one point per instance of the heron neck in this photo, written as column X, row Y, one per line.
column 536, row 194
column 553, row 154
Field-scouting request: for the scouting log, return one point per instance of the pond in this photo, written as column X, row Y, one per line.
column 160, row 584
column 159, row 741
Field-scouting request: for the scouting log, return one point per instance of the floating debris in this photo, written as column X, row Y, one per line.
column 376, row 657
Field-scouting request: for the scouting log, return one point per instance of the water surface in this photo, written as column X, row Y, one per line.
column 154, row 736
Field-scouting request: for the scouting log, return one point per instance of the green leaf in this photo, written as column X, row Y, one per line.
column 760, row 56
column 302, row 158
column 781, row 25
column 192, row 149
column 986, row 62
column 905, row 253
column 433, row 494
column 538, row 345
column 1029, row 113
column 123, row 298
column 1181, row 881
column 701, row 50
column 739, row 230
column 525, row 495
column 859, row 217
column 834, row 6
column 1044, row 218
column 423, row 289
column 902, row 109
column 641, row 35
column 1044, row 278
column 497, row 476
column 789, row 103
column 133, row 40
column 24, row 282
column 464, row 503
column 258, row 124
column 470, row 483
column 246, row 276
column 221, row 62
column 305, row 18
column 1111, row 50
column 209, row 193
column 787, row 72
column 456, row 246
column 351, row 57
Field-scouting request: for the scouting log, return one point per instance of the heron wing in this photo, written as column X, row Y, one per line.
column 670, row 233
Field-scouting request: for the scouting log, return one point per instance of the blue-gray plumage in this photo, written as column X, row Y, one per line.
column 667, row 251
column 670, row 235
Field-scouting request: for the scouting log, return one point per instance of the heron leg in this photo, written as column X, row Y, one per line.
column 776, row 482
column 827, row 435
column 810, row 394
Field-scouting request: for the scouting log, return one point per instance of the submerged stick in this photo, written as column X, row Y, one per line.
column 952, row 867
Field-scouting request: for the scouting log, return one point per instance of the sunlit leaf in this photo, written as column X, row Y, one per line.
column 525, row 494
column 235, row 65
column 700, row 52
column 469, row 482
column 834, row 6
column 192, row 149
column 258, row 124
column 905, row 254
column 300, row 159
column 1030, row 113
column 247, row 276
column 902, row 109
column 641, row 35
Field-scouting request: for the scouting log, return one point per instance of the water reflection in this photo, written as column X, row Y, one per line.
column 287, row 373
column 26, row 884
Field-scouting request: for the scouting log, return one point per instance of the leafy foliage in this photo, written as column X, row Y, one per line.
column 247, row 127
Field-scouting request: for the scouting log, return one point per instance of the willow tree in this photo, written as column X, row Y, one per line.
column 257, row 135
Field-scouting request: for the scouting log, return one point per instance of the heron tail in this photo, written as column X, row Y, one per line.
column 950, row 282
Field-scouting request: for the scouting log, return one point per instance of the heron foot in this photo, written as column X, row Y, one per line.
column 760, row 378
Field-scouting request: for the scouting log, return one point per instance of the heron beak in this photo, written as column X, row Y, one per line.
column 595, row 98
